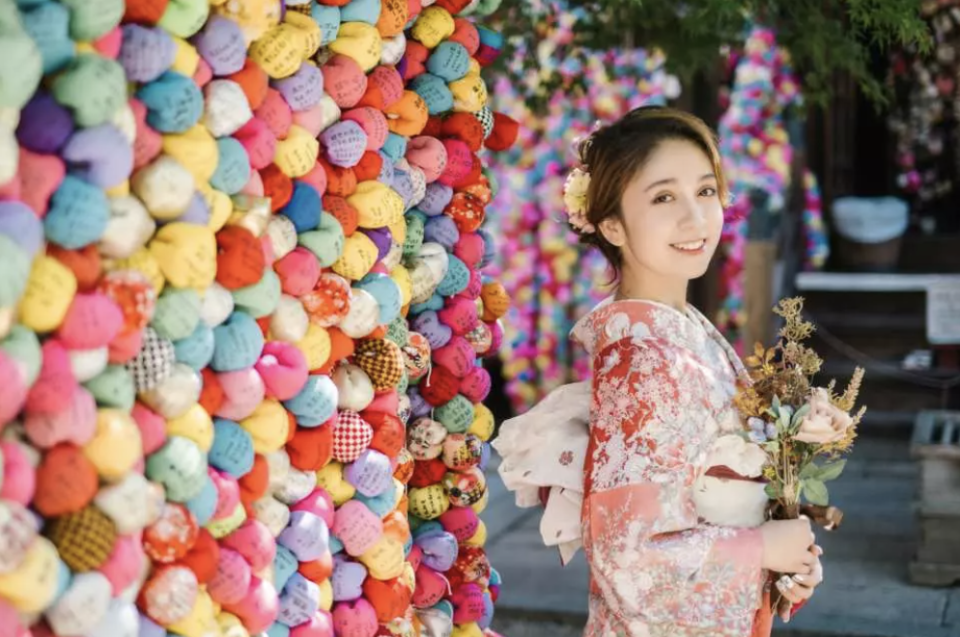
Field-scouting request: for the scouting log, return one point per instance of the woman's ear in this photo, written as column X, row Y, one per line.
column 613, row 231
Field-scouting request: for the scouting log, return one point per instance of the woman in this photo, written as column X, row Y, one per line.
column 671, row 508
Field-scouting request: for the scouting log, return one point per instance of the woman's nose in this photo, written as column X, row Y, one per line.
column 694, row 216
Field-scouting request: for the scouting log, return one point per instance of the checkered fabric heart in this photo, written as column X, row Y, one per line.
column 84, row 539
column 485, row 115
column 383, row 362
column 351, row 436
column 153, row 363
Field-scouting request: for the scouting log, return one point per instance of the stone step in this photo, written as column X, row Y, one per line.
column 523, row 623
column 866, row 591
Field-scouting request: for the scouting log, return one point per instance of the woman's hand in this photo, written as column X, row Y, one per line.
column 799, row 588
column 787, row 546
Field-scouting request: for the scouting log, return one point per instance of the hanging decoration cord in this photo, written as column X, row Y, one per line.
column 883, row 368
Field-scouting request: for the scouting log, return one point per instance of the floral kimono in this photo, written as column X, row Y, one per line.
column 669, row 494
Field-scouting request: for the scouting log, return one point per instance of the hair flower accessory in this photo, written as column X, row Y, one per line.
column 575, row 200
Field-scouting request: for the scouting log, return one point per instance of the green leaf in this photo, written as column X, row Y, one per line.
column 800, row 414
column 831, row 471
column 824, row 472
column 772, row 490
column 783, row 423
column 815, row 492
column 772, row 447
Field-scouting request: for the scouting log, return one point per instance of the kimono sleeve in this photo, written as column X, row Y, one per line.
column 650, row 558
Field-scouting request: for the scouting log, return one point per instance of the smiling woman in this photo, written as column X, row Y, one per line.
column 644, row 467
column 655, row 197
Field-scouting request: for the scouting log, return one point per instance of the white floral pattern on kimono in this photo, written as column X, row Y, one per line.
column 662, row 389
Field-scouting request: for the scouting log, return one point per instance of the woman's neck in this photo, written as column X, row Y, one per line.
column 649, row 288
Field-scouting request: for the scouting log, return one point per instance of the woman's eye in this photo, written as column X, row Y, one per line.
column 664, row 198
column 708, row 192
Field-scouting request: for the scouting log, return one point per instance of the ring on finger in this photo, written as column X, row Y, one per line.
column 807, row 581
column 812, row 579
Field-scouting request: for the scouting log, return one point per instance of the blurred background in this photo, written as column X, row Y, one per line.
column 838, row 124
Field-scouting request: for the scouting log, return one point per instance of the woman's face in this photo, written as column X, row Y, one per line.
column 672, row 216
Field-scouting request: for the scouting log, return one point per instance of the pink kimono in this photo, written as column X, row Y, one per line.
column 661, row 397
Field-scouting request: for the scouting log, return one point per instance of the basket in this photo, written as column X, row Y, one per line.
column 869, row 232
column 868, row 257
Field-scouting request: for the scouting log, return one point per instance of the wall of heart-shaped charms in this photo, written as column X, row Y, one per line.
column 241, row 317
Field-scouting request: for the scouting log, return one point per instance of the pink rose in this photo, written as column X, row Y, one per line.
column 825, row 422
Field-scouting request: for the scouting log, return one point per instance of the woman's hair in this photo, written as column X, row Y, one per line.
column 614, row 154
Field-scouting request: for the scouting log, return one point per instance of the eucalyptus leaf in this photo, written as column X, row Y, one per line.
column 772, row 490
column 831, row 471
column 783, row 423
column 815, row 492
column 800, row 414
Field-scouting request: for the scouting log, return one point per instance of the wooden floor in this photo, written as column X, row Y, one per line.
column 865, row 592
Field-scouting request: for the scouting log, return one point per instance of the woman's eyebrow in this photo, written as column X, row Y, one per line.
column 661, row 182
column 671, row 180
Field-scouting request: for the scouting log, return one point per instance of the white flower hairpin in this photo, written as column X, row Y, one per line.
column 575, row 200
column 577, row 184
